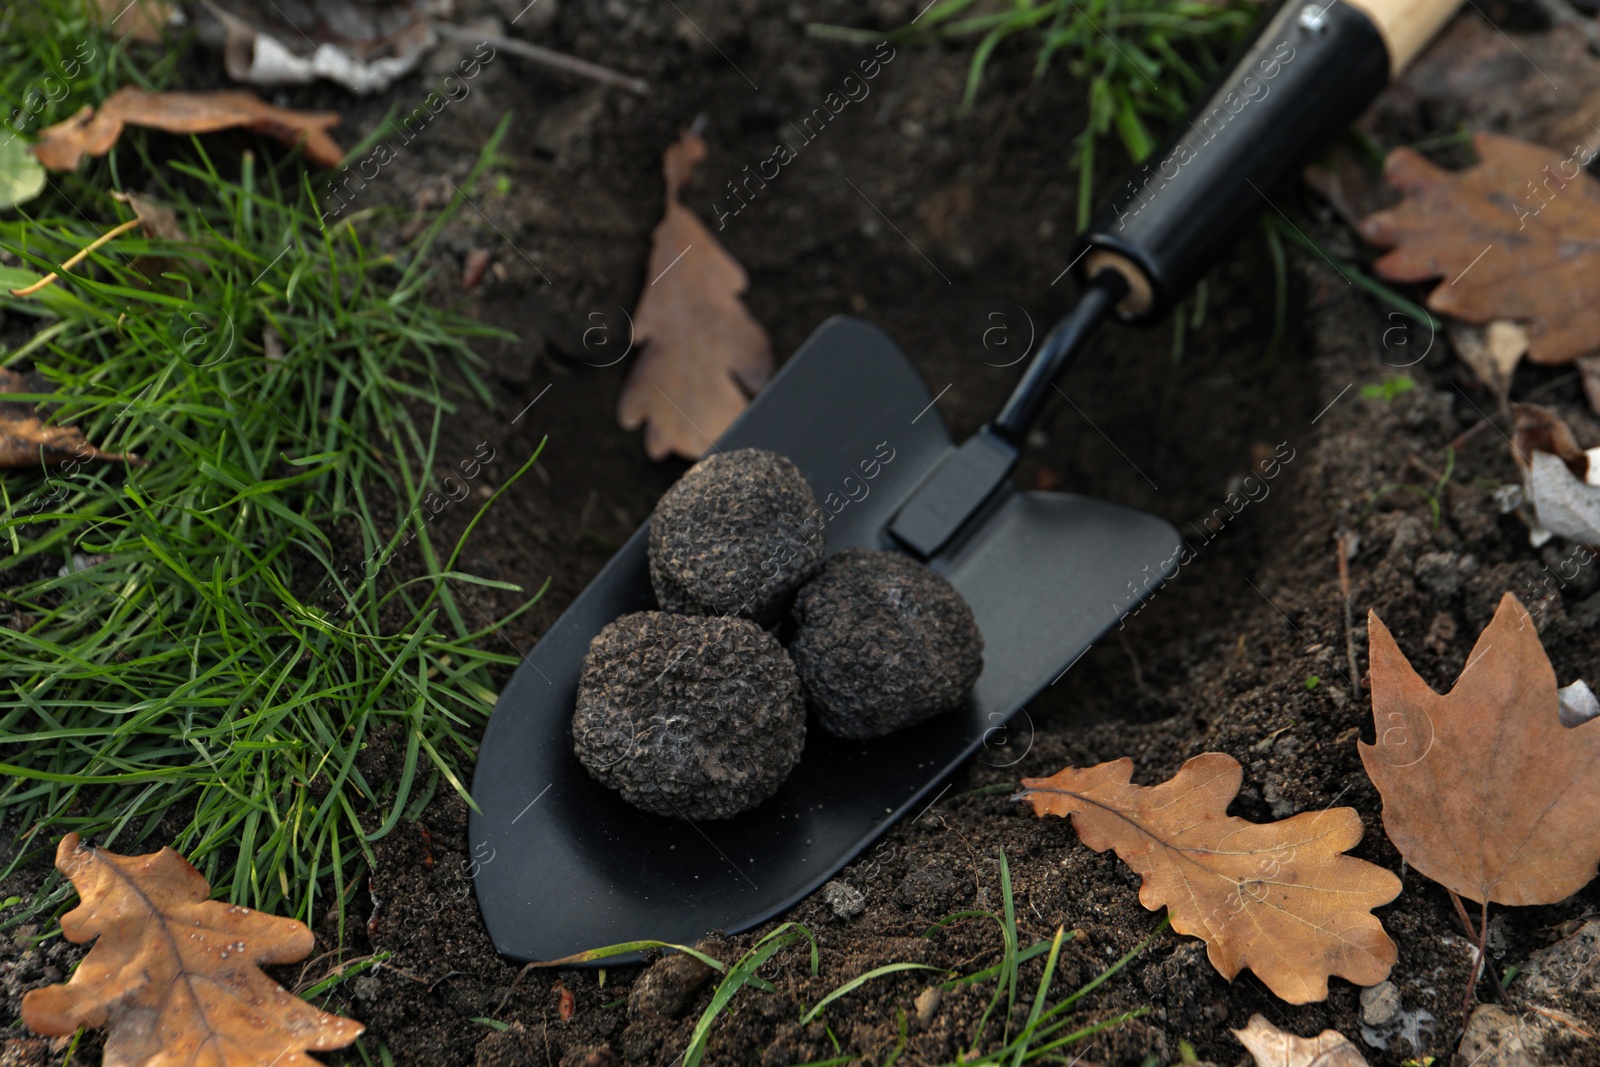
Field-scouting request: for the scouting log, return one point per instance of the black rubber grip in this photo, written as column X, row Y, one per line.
column 1312, row 69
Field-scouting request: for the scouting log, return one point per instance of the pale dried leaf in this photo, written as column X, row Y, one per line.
column 1559, row 477
column 361, row 47
column 1484, row 790
column 1492, row 351
column 1564, row 505
column 1277, row 898
column 1272, row 1047
column 175, row 974
column 92, row 132
column 703, row 353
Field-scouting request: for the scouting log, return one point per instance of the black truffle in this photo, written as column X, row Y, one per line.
column 882, row 642
column 737, row 535
column 688, row 716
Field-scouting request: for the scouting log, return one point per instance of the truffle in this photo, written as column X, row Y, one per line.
column 737, row 535
column 882, row 642
column 688, row 716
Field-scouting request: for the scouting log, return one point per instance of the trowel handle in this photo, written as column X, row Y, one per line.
column 1315, row 66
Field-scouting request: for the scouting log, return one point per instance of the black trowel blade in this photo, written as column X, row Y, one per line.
column 564, row 865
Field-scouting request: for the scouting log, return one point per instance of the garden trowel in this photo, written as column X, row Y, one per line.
column 562, row 864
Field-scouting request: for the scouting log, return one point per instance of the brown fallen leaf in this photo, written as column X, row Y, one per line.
column 1277, row 898
column 1515, row 237
column 703, row 353
column 174, row 973
column 92, row 132
column 1271, row 1047
column 566, row 1003
column 155, row 218
column 1492, row 351
column 1484, row 790
column 159, row 221
column 138, row 20
column 1536, row 428
column 25, row 440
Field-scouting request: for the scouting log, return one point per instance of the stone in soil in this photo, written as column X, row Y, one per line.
column 737, row 535
column 882, row 643
column 1568, row 968
column 1497, row 1038
column 688, row 716
column 845, row 899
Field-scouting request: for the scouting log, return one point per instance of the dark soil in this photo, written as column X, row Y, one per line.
column 1244, row 653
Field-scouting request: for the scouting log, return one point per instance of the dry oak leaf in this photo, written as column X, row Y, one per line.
column 1277, row 898
column 62, row 146
column 703, row 353
column 175, row 977
column 1271, row 1047
column 1484, row 791
column 1515, row 237
column 26, row 441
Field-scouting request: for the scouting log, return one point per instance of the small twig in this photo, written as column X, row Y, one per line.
column 548, row 57
column 1469, row 433
column 1349, row 622
column 79, row 257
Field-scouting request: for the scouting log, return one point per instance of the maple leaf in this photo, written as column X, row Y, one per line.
column 92, row 132
column 1484, row 790
column 1277, row 898
column 176, row 974
column 1515, row 237
column 703, row 353
column 1271, row 1047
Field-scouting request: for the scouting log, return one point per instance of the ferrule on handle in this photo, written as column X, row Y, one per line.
column 1311, row 70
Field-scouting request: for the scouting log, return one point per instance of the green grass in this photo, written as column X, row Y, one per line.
column 185, row 640
column 1140, row 61
column 1042, row 1036
column 1432, row 495
column 1041, row 1039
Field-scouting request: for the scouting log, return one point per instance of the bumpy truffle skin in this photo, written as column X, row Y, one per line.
column 689, row 716
column 882, row 642
column 737, row 535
